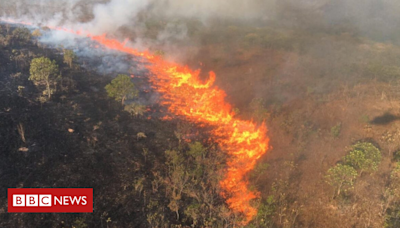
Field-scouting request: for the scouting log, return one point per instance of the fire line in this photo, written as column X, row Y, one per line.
column 186, row 95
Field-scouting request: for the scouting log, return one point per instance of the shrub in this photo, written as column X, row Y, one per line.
column 341, row 177
column 364, row 157
column 335, row 130
column 121, row 88
column 43, row 71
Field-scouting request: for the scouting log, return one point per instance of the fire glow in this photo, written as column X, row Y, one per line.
column 186, row 95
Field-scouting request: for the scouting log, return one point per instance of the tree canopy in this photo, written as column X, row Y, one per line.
column 22, row 34
column 341, row 177
column 121, row 88
column 44, row 71
column 69, row 57
column 364, row 157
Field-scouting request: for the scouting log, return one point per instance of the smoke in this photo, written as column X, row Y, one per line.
column 107, row 16
column 151, row 24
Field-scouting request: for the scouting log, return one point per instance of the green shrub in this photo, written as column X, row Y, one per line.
column 364, row 157
column 121, row 88
column 341, row 177
column 335, row 130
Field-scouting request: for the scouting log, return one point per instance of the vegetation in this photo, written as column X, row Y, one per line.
column 69, row 57
column 135, row 109
column 121, row 88
column 364, row 157
column 22, row 34
column 302, row 82
column 36, row 33
column 341, row 177
column 392, row 196
column 335, row 130
column 43, row 71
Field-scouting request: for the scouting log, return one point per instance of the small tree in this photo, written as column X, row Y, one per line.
column 364, row 157
column 135, row 109
column 44, row 71
column 22, row 34
column 341, row 177
column 69, row 57
column 121, row 88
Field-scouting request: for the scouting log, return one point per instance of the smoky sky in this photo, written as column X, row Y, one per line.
column 378, row 18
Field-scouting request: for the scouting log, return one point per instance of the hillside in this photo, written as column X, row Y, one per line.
column 329, row 100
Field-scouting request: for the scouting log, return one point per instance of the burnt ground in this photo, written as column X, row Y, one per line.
column 80, row 138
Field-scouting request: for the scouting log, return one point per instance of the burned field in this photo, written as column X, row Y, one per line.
column 82, row 139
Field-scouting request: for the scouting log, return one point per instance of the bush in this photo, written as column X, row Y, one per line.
column 341, row 177
column 364, row 157
column 335, row 130
column 121, row 88
column 44, row 71
column 22, row 34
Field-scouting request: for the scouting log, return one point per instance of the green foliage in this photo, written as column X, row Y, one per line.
column 335, row 130
column 341, row 177
column 121, row 88
column 395, row 181
column 392, row 218
column 264, row 217
column 197, row 150
column 43, row 71
column 79, row 223
column 192, row 185
column 135, row 109
column 69, row 57
column 364, row 157
column 156, row 217
column 22, row 34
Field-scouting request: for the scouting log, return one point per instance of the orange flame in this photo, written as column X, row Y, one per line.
column 186, row 95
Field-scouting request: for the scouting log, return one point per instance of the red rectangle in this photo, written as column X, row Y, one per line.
column 50, row 200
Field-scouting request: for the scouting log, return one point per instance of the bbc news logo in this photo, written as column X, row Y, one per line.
column 49, row 200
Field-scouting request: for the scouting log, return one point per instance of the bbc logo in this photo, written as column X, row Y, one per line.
column 32, row 200
column 50, row 200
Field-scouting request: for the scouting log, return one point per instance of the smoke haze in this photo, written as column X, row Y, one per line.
column 377, row 18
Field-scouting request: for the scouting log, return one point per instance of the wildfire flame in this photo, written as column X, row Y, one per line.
column 186, row 95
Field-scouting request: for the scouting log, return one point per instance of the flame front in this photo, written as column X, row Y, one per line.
column 186, row 95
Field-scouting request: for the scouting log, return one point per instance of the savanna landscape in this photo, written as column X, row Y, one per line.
column 86, row 102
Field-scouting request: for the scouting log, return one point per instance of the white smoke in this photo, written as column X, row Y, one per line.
column 110, row 16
